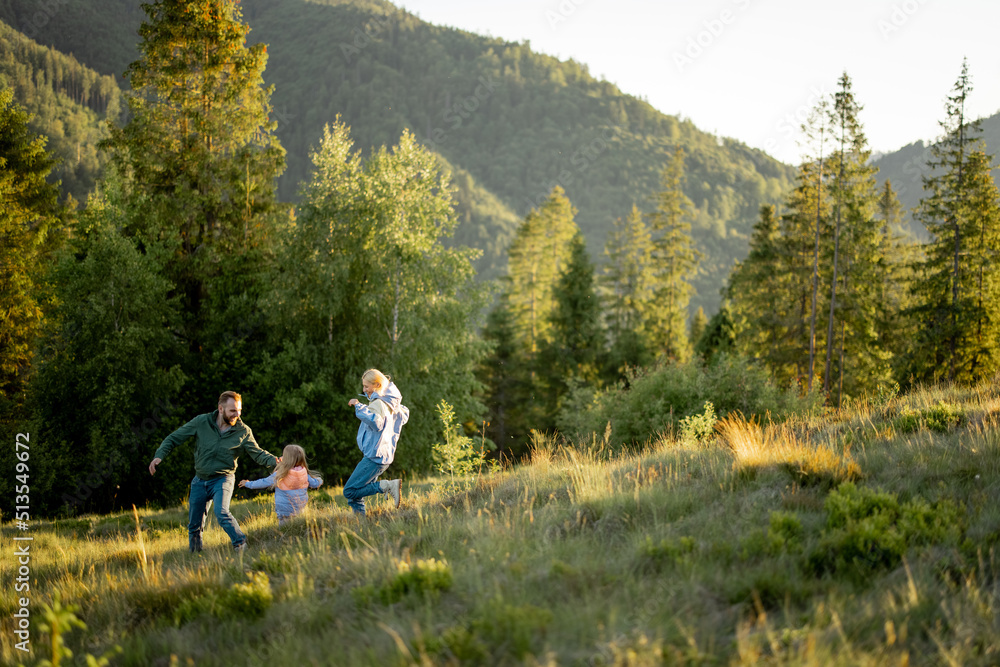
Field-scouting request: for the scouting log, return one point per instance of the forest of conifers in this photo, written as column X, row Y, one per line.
column 348, row 187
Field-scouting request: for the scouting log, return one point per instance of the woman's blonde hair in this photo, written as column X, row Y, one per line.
column 291, row 457
column 375, row 377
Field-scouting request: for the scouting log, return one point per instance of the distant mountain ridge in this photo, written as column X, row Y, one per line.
column 513, row 123
column 907, row 167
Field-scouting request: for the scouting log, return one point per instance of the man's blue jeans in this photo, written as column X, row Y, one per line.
column 217, row 492
column 363, row 483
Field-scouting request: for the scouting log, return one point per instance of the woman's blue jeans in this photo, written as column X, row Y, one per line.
column 218, row 492
column 363, row 483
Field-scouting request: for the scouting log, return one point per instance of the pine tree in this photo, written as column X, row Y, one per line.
column 698, row 325
column 769, row 291
column 502, row 377
column 981, row 209
column 576, row 350
column 538, row 254
column 817, row 130
column 863, row 361
column 200, row 137
column 955, row 283
column 626, row 280
column 199, row 145
column 675, row 262
column 897, row 257
column 28, row 214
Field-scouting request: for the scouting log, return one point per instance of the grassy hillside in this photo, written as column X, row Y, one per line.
column 907, row 167
column 866, row 538
column 516, row 121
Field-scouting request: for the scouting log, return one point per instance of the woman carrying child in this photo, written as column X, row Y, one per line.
column 290, row 479
column 381, row 422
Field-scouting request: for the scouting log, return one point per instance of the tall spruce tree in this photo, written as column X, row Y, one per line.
column 503, row 378
column 675, row 261
column 626, row 281
column 575, row 352
column 767, row 296
column 852, row 327
column 982, row 208
column 955, row 282
column 699, row 322
column 806, row 211
column 817, row 131
column 896, row 330
column 200, row 145
column 539, row 254
column 28, row 213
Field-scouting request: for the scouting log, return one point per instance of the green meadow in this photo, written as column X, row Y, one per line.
column 862, row 537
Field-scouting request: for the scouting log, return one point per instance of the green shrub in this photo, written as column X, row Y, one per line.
column 943, row 417
column 655, row 400
column 250, row 599
column 511, row 629
column 769, row 583
column 699, row 428
column 868, row 530
column 57, row 621
column 457, row 642
column 271, row 564
column 666, row 552
column 785, row 533
column 939, row 418
column 423, row 578
column 458, row 456
column 907, row 421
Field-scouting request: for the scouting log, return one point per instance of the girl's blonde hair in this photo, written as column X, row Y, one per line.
column 291, row 457
column 376, row 378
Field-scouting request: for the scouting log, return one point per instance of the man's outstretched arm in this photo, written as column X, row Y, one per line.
column 171, row 441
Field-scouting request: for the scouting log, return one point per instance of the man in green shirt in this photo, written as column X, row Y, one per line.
column 220, row 437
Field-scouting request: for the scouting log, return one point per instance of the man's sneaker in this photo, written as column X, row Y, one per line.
column 238, row 549
column 194, row 545
column 394, row 487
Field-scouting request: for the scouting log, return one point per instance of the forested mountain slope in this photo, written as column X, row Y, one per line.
column 68, row 103
column 516, row 121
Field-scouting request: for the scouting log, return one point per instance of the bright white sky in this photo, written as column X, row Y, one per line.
column 751, row 69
